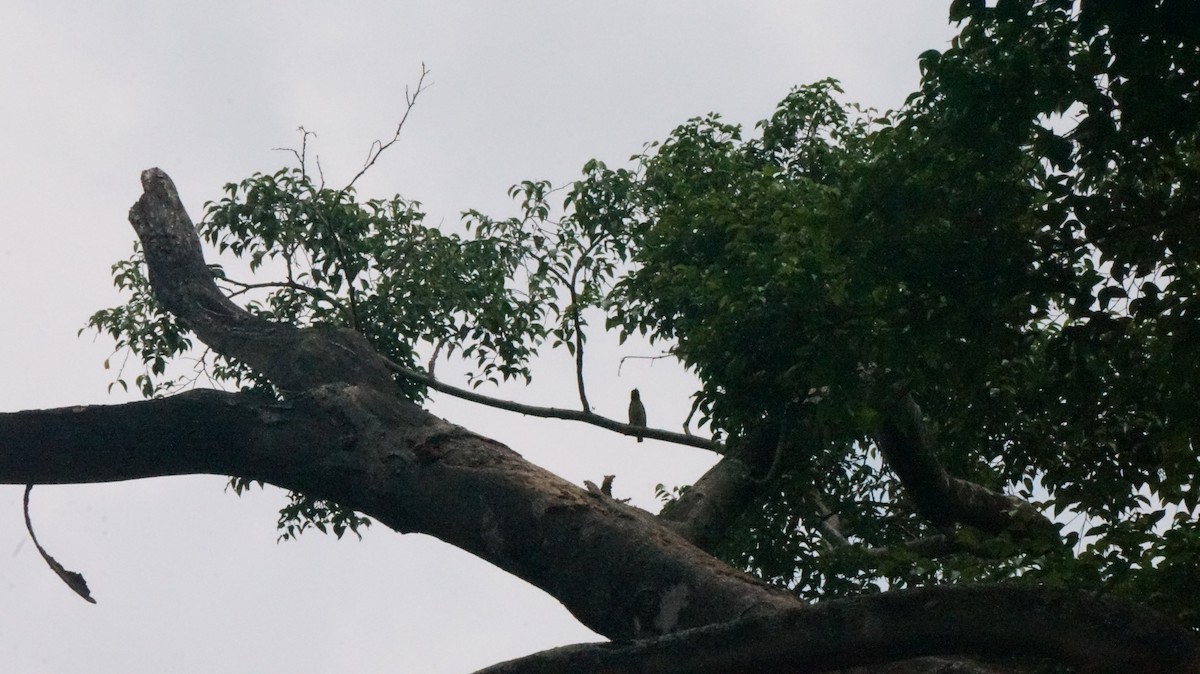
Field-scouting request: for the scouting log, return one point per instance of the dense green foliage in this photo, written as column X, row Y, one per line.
column 1017, row 247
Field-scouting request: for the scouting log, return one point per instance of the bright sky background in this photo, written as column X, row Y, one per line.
column 189, row 578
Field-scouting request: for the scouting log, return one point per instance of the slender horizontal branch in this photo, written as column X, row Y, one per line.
column 554, row 412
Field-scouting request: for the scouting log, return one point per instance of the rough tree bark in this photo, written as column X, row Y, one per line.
column 340, row 433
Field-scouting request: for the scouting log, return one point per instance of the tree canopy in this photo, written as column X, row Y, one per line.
column 947, row 353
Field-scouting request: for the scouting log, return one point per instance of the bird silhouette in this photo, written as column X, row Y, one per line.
column 637, row 411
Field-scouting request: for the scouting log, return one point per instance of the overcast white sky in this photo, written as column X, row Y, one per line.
column 189, row 578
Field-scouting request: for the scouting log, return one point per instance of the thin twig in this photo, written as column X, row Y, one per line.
column 625, row 358
column 301, row 155
column 378, row 147
column 578, row 323
column 687, row 423
column 578, row 349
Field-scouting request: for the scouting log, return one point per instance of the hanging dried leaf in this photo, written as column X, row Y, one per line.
column 73, row 580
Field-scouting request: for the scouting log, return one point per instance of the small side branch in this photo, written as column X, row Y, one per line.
column 577, row 321
column 583, row 401
column 378, row 147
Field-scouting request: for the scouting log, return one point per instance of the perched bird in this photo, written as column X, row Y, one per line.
column 637, row 412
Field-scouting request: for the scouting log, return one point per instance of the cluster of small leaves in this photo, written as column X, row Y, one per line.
column 303, row 513
column 376, row 267
column 669, row 495
column 142, row 329
column 727, row 232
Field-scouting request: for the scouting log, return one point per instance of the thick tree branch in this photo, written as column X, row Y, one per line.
column 1094, row 635
column 706, row 510
column 198, row 432
column 941, row 498
column 631, row 588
